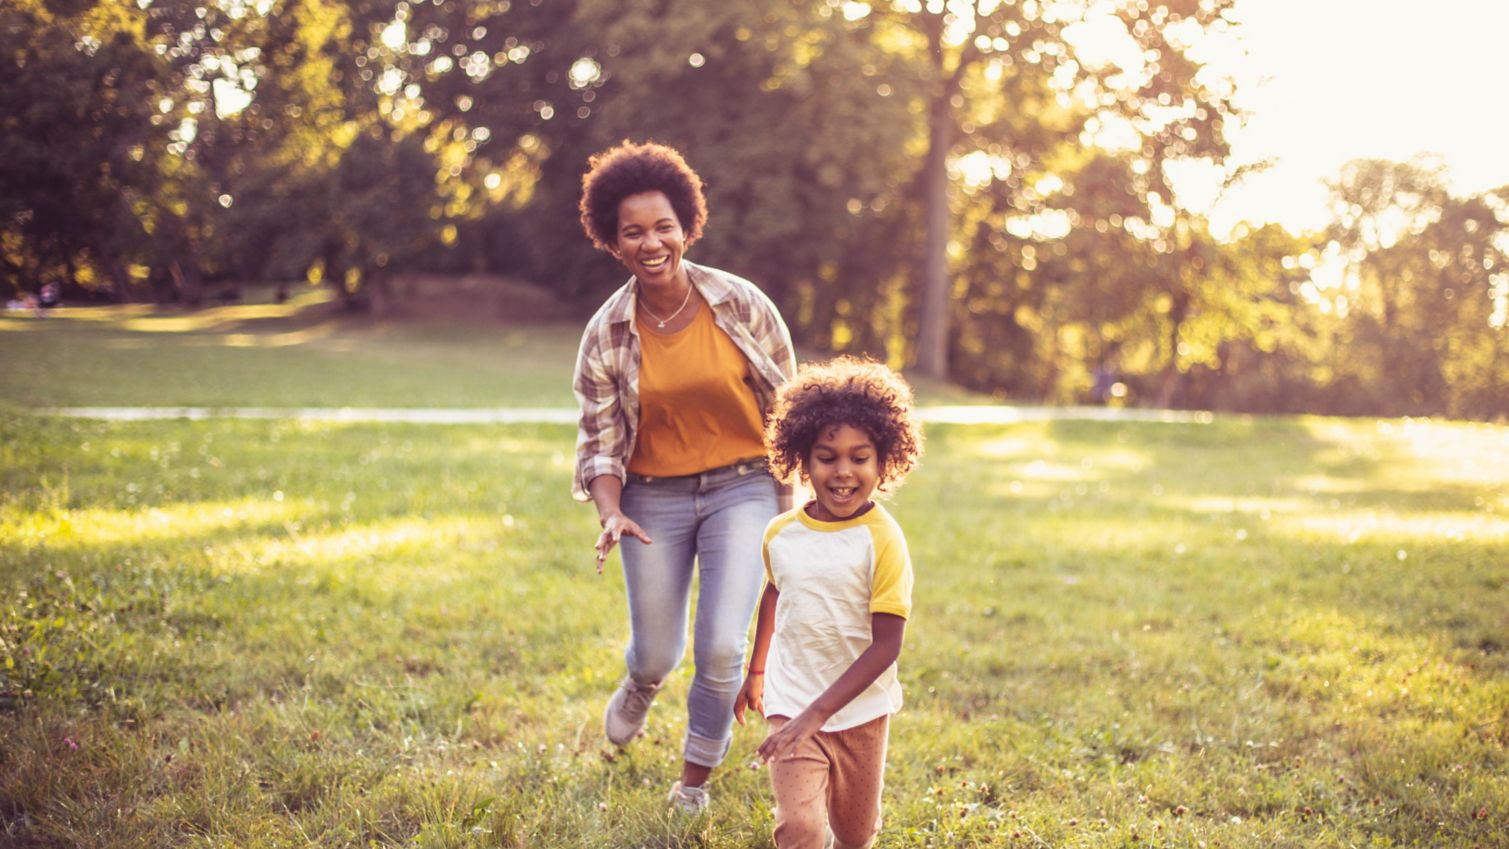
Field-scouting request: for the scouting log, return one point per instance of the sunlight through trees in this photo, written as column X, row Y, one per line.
column 978, row 189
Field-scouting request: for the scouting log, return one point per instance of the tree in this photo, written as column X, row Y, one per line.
column 1038, row 88
column 76, row 132
column 1238, row 334
column 784, row 110
column 1423, row 326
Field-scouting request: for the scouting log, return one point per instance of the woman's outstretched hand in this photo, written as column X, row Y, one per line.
column 614, row 528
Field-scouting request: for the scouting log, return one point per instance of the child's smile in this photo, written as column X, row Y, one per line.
column 844, row 470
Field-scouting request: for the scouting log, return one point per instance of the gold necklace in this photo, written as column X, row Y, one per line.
column 662, row 321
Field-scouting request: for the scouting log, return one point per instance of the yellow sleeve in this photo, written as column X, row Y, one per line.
column 765, row 555
column 771, row 530
column 891, row 586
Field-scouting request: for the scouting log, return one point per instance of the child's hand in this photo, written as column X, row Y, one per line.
column 785, row 741
column 751, row 695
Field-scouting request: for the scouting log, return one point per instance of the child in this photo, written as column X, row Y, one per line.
column 838, row 591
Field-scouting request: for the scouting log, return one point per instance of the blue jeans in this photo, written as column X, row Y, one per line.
column 718, row 519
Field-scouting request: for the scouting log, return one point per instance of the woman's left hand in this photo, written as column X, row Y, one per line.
column 616, row 526
column 788, row 737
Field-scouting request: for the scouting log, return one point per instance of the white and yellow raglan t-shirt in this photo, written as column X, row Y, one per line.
column 831, row 577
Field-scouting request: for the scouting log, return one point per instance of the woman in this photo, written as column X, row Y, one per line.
column 675, row 375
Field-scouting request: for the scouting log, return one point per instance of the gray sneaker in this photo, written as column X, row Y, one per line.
column 690, row 801
column 624, row 718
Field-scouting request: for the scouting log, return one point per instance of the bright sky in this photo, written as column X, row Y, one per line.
column 1384, row 79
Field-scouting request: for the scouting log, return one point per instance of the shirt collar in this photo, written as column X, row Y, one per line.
column 713, row 288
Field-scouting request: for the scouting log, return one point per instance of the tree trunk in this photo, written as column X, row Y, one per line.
column 932, row 330
column 1500, row 411
column 379, row 291
column 188, row 282
column 1048, row 380
column 120, row 280
column 188, row 277
column 1170, row 383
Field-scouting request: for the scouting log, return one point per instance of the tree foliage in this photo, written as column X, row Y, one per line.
column 978, row 188
column 1424, row 294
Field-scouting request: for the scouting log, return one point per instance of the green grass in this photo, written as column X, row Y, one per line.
column 301, row 354
column 1242, row 634
column 305, row 353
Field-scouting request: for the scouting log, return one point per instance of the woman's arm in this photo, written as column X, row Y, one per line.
column 602, row 432
column 785, row 497
column 606, row 491
column 752, row 694
column 886, row 632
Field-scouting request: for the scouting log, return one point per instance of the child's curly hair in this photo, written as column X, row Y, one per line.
column 850, row 391
column 629, row 169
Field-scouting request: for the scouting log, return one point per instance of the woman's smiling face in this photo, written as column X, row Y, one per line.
column 650, row 239
column 844, row 468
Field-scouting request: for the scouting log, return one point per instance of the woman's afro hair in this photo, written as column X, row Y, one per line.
column 629, row 169
column 850, row 391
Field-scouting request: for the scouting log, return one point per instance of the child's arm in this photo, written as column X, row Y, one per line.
column 752, row 694
column 886, row 631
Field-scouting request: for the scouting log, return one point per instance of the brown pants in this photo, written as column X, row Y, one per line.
column 832, row 781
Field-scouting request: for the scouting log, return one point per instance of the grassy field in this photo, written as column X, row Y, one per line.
column 1247, row 633
column 304, row 353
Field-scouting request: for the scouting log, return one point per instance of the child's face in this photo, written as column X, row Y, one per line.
column 844, row 469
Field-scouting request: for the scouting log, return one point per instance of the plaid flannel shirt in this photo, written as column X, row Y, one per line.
column 606, row 381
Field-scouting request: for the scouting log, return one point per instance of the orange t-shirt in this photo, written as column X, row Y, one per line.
column 697, row 410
